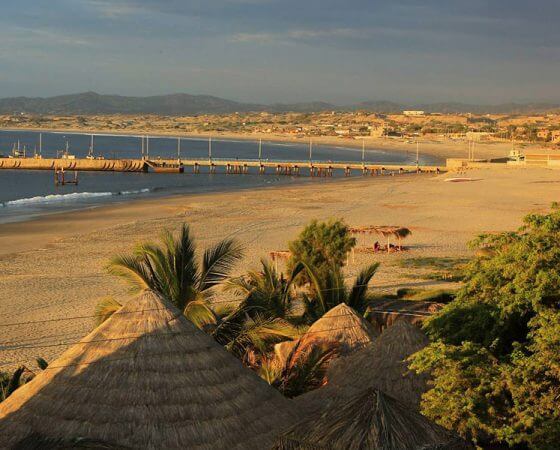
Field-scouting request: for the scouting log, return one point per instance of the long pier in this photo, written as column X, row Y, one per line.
column 229, row 166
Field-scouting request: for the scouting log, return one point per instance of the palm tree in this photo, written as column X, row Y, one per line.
column 171, row 270
column 266, row 293
column 250, row 338
column 303, row 370
column 10, row 382
column 330, row 291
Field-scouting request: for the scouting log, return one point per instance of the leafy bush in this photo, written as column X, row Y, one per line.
column 495, row 356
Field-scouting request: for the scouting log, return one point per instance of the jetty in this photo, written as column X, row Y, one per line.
column 225, row 165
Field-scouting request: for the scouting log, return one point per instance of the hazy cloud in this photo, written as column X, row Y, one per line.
column 272, row 50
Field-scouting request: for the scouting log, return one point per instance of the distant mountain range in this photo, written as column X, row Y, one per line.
column 185, row 104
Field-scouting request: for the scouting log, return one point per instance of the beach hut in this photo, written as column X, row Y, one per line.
column 381, row 364
column 370, row 420
column 146, row 378
column 341, row 325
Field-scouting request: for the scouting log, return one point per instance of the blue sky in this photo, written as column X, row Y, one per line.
column 284, row 51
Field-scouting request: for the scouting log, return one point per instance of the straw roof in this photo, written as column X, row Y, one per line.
column 384, row 313
column 369, row 420
column 381, row 364
column 146, row 378
column 384, row 230
column 343, row 325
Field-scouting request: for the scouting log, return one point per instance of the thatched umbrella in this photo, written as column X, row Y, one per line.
column 146, row 378
column 399, row 233
column 369, row 420
column 381, row 364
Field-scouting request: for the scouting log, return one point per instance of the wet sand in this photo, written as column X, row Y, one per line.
column 53, row 267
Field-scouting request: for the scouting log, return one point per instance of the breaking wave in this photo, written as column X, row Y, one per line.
column 75, row 196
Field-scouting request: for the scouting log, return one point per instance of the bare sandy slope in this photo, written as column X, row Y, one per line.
column 53, row 268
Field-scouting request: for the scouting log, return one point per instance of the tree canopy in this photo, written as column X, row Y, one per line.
column 323, row 246
column 495, row 357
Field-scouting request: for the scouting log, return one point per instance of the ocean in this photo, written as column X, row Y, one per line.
column 28, row 194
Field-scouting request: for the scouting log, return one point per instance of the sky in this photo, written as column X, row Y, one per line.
column 267, row 51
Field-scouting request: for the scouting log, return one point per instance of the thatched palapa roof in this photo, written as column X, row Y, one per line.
column 343, row 325
column 146, row 378
column 369, row 420
column 381, row 364
column 385, row 313
column 383, row 230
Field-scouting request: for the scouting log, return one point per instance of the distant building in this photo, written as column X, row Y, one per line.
column 478, row 135
column 544, row 134
column 414, row 113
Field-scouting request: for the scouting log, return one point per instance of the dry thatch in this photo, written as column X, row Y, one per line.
column 282, row 350
column 342, row 325
column 381, row 364
column 387, row 231
column 147, row 378
column 384, row 313
column 370, row 420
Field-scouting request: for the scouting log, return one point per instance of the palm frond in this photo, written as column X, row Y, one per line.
column 132, row 270
column 218, row 261
column 243, row 333
column 318, row 297
column 41, row 363
column 181, row 253
column 200, row 313
column 306, row 368
column 296, row 271
column 270, row 371
column 241, row 286
column 105, row 308
column 357, row 297
column 15, row 381
column 223, row 309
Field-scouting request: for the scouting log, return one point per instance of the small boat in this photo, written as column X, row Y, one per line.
column 165, row 167
column 460, row 179
column 168, row 169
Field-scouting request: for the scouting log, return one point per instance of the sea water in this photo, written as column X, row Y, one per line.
column 27, row 194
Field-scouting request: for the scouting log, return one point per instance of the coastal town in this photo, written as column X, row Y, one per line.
column 542, row 128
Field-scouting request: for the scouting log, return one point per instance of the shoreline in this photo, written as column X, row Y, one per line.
column 69, row 219
column 442, row 149
column 54, row 267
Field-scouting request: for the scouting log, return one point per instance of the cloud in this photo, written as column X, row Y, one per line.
column 381, row 47
column 115, row 10
column 18, row 36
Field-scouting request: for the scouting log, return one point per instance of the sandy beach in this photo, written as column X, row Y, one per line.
column 53, row 267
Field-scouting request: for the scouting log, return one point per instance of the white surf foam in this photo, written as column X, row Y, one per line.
column 61, row 198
